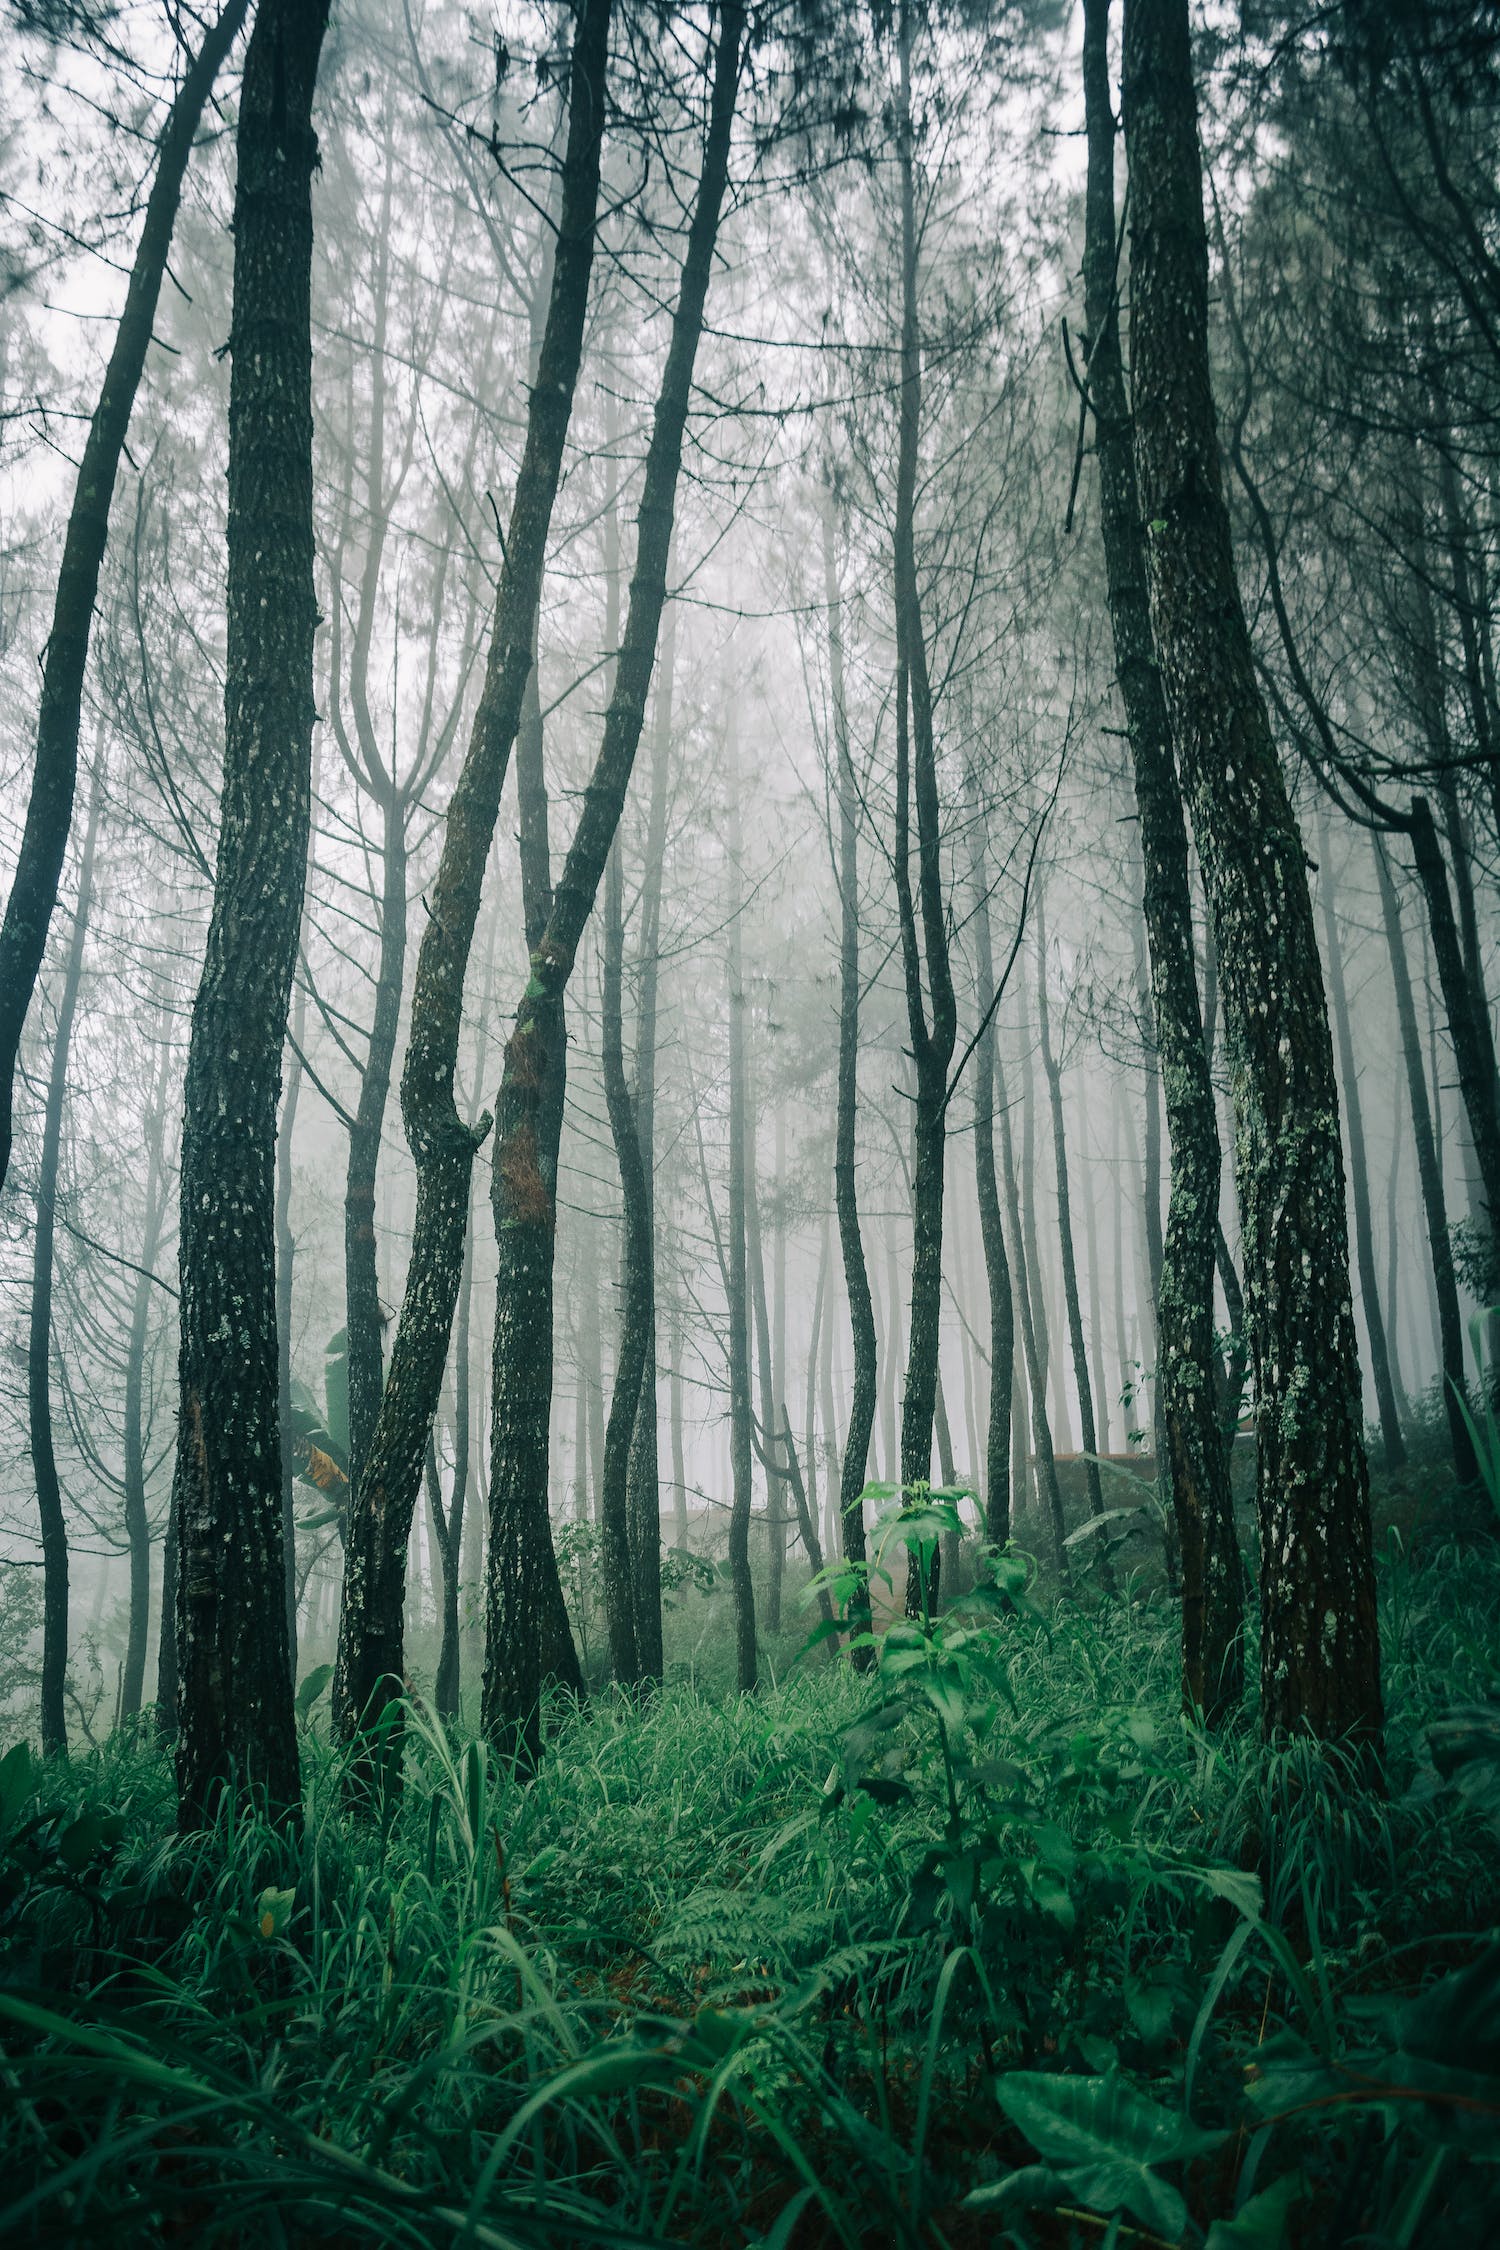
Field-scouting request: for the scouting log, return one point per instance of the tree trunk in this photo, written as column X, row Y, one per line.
column 1359, row 1178
column 49, row 812
column 997, row 1493
column 1193, row 1447
column 447, row 1691
column 522, row 1589
column 1430, row 1180
column 49, row 1499
column 741, row 1434
column 286, row 1261
column 1041, row 1428
column 1052, row 1070
column 137, row 1521
column 760, row 1328
column 1320, row 1649
column 370, row 1659
column 236, row 1726
column 635, row 1291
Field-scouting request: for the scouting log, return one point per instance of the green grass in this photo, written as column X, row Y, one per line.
column 990, row 1949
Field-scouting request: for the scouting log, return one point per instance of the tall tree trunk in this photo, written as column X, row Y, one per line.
column 645, row 1468
column 997, row 1273
column 1320, row 1649
column 741, row 1415
column 635, row 1290
column 1359, row 1177
column 236, row 1726
column 137, row 1521
column 49, row 812
column 1041, row 1427
column 863, row 1388
column 760, row 1328
column 1192, row 1444
column 1053, row 1073
column 522, row 1589
column 679, row 1463
column 1430, row 1180
column 916, row 786
column 370, row 1659
column 49, row 1499
column 447, row 1692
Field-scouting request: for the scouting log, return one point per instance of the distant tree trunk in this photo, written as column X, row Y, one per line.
column 741, row 1433
column 1031, row 1250
column 1192, row 1445
column 137, row 1521
column 236, row 1726
column 1041, row 1428
column 1053, row 1072
column 49, row 1500
column 523, row 1595
column 1320, row 1650
column 286, row 1261
column 679, row 1464
column 1151, row 1064
column 1392, row 1258
column 760, row 1328
column 1359, row 1177
column 49, row 811
column 1096, row 1310
column 1430, row 1180
column 370, row 1661
column 997, row 1273
column 645, row 1467
column 1467, row 1010
column 635, row 1291
column 814, row 1349
column 863, row 1389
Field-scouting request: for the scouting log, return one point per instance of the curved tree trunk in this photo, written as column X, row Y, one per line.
column 997, row 1273
column 49, row 813
column 863, row 1389
column 1320, row 1650
column 370, row 1658
column 522, row 1593
column 1192, row 1444
column 236, row 1726
column 635, row 1290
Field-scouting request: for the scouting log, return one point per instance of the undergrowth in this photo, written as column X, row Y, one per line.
column 987, row 1946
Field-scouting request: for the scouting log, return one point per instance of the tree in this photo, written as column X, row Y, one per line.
column 369, row 1665
column 49, row 813
column 1191, row 1441
column 235, row 1723
column 1320, row 1651
column 522, row 1595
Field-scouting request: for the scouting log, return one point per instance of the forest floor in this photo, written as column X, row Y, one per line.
column 986, row 1947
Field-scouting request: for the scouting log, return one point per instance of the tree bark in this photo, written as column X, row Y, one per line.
column 1041, row 1427
column 741, row 1413
column 635, row 1292
column 1193, row 1446
column 236, row 1726
column 49, row 812
column 370, row 1660
column 1320, row 1649
column 522, row 1573
column 49, row 1499
column 286, row 1261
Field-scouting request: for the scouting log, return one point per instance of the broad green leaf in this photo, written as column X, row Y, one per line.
column 1110, row 2138
column 312, row 1687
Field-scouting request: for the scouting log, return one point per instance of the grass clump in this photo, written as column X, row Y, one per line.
column 989, row 1946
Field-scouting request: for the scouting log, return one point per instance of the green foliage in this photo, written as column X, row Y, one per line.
column 988, row 1945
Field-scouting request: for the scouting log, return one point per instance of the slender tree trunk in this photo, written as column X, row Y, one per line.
column 635, row 1290
column 1430, row 1180
column 286, row 1262
column 370, row 1656
column 760, row 1328
column 997, row 1486
column 1359, row 1177
column 1320, row 1650
column 1053, row 1072
column 361, row 1268
column 679, row 1464
column 236, row 1726
column 741, row 1435
column 49, row 812
column 1192, row 1445
column 523, row 1596
column 1041, row 1428
column 448, row 1685
column 49, row 1499
column 863, row 1388
column 137, row 1521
